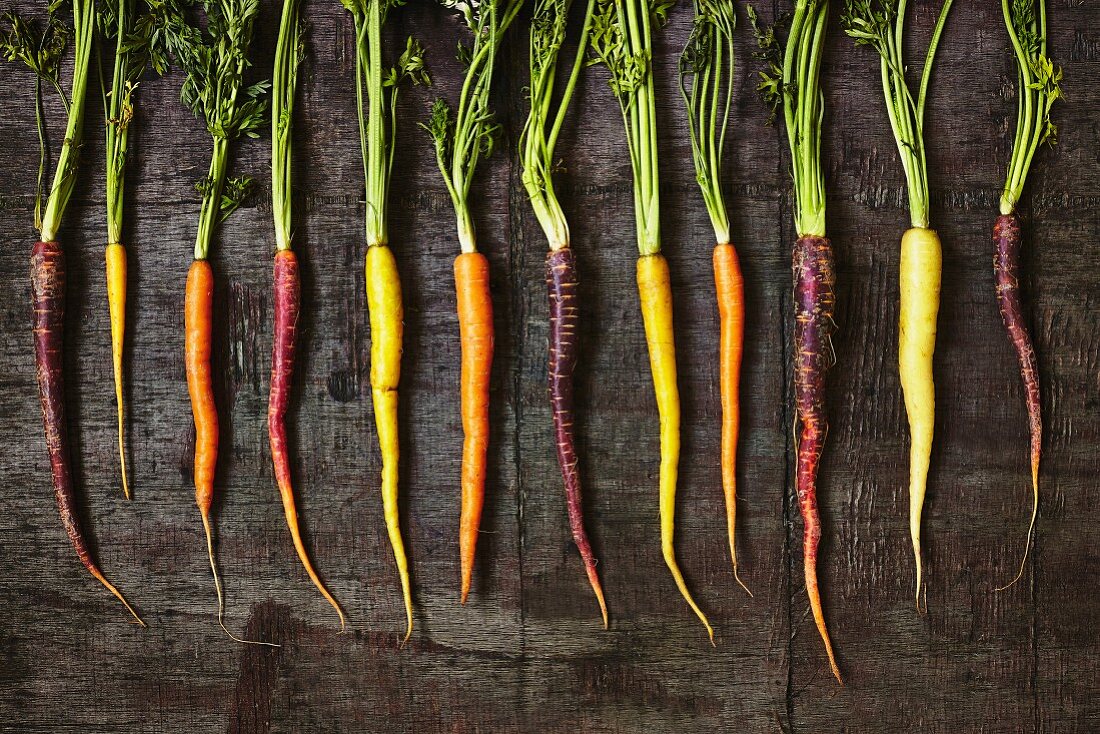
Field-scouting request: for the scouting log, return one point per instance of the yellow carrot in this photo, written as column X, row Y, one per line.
column 386, row 330
column 921, row 261
column 655, row 293
column 116, row 301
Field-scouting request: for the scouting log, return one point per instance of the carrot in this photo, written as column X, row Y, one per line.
column 539, row 139
column 792, row 84
column 198, row 312
column 376, row 94
column 42, row 53
column 198, row 317
column 116, row 301
column 387, row 329
column 1039, row 87
column 475, row 324
column 815, row 299
column 655, row 294
column 1007, row 241
column 213, row 56
column 287, row 283
column 880, row 24
column 623, row 43
column 919, row 269
column 461, row 138
column 730, row 289
column 706, row 85
column 561, row 280
column 48, row 299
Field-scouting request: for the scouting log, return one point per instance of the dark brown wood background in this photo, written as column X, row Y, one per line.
column 528, row 654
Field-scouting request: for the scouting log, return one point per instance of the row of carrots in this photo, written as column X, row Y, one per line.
column 153, row 35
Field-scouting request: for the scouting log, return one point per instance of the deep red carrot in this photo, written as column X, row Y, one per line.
column 815, row 278
column 48, row 299
column 287, row 288
column 548, row 30
column 1007, row 241
column 561, row 284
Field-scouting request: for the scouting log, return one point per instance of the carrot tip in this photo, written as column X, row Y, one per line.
column 737, row 577
column 118, row 594
column 1031, row 527
column 598, row 590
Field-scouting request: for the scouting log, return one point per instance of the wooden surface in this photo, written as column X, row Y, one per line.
column 527, row 654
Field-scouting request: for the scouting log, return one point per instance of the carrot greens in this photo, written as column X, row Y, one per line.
column 706, row 84
column 466, row 134
column 41, row 50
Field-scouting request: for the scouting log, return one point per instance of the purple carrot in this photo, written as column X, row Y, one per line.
column 561, row 285
column 288, row 288
column 1007, row 241
column 48, row 298
column 814, row 301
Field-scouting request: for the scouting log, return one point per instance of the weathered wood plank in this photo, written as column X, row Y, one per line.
column 528, row 654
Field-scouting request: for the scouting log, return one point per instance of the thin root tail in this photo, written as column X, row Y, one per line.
column 218, row 586
column 118, row 594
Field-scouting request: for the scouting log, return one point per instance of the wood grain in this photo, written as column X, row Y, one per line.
column 528, row 653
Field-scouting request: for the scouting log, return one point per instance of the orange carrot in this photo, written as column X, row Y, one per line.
column 198, row 317
column 198, row 323
column 475, row 323
column 730, row 288
column 116, row 301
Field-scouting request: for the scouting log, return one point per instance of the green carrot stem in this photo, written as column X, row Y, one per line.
column 284, row 83
column 65, row 175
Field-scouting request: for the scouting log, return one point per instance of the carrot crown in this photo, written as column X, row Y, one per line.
column 793, row 81
column 706, row 84
column 622, row 40
column 289, row 49
column 463, row 135
column 41, row 51
column 65, row 176
column 880, row 24
column 214, row 60
column 540, row 133
column 376, row 94
column 1039, row 87
column 136, row 48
